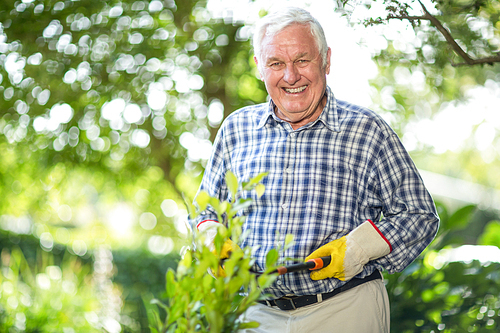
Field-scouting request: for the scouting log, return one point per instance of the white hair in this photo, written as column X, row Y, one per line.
column 276, row 22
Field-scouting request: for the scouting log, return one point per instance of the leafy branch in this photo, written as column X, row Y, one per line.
column 199, row 302
column 468, row 60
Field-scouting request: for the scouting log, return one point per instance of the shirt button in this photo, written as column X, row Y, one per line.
column 288, row 170
column 279, row 283
column 284, row 206
column 292, row 135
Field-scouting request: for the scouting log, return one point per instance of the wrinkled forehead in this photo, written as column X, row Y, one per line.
column 297, row 39
column 295, row 28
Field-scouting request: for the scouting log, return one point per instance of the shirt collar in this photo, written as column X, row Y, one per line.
column 329, row 115
column 267, row 114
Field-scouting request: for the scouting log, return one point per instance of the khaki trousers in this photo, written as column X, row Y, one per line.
column 363, row 309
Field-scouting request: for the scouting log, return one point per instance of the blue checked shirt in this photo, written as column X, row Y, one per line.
column 324, row 180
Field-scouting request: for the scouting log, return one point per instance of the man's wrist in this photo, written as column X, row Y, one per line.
column 209, row 230
column 205, row 224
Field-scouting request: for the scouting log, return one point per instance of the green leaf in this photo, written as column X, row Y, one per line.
column 254, row 181
column 491, row 234
column 151, row 311
column 272, row 257
column 288, row 240
column 202, row 199
column 260, row 190
column 216, row 321
column 250, row 324
column 159, row 303
column 184, row 264
column 266, row 280
column 461, row 217
column 189, row 206
column 223, row 207
column 241, row 204
column 170, row 283
column 232, row 183
column 215, row 203
column 234, row 284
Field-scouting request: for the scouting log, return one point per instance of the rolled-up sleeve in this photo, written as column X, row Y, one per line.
column 409, row 221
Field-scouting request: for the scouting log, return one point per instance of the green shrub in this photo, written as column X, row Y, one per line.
column 459, row 297
column 432, row 295
column 139, row 273
column 136, row 272
column 198, row 302
column 46, row 297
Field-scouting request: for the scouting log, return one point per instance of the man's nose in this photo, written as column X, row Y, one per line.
column 291, row 74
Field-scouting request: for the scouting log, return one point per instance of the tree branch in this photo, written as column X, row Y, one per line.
column 469, row 61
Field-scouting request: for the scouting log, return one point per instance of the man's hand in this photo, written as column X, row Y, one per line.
column 350, row 253
column 228, row 247
column 336, row 249
column 209, row 229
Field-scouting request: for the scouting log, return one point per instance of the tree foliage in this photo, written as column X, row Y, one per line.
column 437, row 53
column 449, row 47
column 112, row 101
column 444, row 293
column 460, row 33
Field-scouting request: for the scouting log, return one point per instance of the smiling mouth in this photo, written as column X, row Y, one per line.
column 295, row 90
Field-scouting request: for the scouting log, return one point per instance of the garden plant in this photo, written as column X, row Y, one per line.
column 201, row 302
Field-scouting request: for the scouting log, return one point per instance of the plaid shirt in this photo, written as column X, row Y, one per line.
column 325, row 179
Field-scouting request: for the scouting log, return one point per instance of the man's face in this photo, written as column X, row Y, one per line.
column 294, row 74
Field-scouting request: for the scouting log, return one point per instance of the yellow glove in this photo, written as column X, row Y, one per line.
column 350, row 253
column 336, row 249
column 228, row 247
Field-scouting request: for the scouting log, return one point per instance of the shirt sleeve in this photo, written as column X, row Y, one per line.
column 409, row 221
column 213, row 181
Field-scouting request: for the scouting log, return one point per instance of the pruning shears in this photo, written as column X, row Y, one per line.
column 311, row 264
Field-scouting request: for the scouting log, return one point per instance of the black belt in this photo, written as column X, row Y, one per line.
column 295, row 302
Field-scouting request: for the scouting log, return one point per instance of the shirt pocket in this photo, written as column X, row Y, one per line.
column 332, row 196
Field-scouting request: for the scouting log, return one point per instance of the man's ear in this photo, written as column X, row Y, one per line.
column 258, row 68
column 328, row 56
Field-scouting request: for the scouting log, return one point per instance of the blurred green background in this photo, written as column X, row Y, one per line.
column 107, row 114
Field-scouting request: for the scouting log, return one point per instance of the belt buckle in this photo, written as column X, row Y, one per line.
column 290, row 300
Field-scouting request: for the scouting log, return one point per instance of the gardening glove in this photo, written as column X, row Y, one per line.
column 350, row 253
column 209, row 229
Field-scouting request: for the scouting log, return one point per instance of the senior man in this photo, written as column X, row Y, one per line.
column 339, row 180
